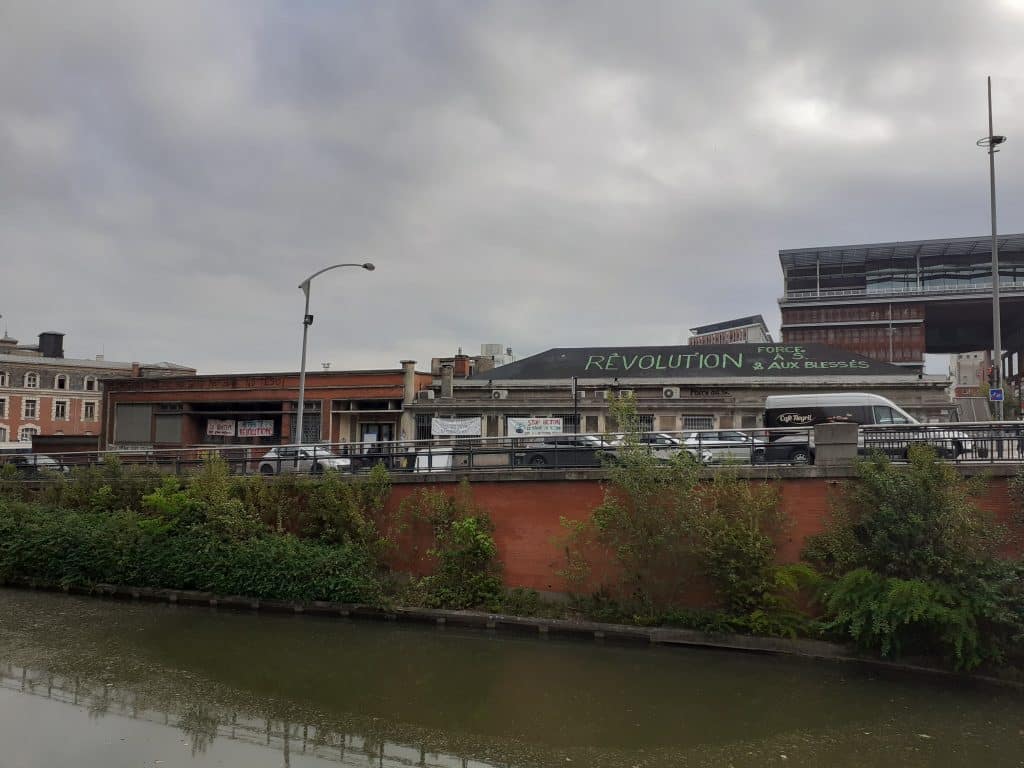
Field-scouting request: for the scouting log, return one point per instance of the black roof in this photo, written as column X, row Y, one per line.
column 741, row 322
column 849, row 255
column 728, row 361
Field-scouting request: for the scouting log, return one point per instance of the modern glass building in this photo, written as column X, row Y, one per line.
column 897, row 301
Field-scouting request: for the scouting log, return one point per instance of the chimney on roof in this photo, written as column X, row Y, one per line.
column 51, row 344
column 447, row 375
column 461, row 365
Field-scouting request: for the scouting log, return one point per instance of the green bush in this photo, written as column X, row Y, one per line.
column 662, row 526
column 733, row 529
column 914, row 565
column 108, row 486
column 57, row 547
column 467, row 572
column 643, row 523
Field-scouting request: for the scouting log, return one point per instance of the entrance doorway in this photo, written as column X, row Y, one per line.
column 376, row 432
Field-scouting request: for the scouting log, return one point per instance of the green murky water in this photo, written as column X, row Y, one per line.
column 93, row 683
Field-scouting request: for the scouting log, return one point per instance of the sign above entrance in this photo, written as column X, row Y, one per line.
column 711, row 361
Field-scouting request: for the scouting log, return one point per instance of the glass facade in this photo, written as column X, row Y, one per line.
column 904, row 275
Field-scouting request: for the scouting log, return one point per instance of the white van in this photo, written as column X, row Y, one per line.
column 866, row 410
column 832, row 407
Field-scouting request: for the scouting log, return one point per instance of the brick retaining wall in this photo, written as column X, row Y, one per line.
column 526, row 507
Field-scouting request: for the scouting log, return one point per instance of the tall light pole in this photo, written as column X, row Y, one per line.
column 991, row 142
column 307, row 320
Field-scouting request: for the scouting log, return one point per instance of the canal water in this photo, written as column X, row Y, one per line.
column 94, row 683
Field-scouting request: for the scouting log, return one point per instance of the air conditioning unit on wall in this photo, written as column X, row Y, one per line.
column 670, row 393
column 499, row 394
column 425, row 394
column 626, row 393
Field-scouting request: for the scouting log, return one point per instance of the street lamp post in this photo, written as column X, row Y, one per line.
column 991, row 142
column 307, row 320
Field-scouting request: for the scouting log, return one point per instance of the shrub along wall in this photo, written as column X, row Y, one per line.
column 530, row 538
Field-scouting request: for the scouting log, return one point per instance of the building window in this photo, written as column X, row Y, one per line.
column 645, row 422
column 570, row 422
column 310, row 423
column 88, row 411
column 90, row 384
column 29, row 408
column 60, row 410
column 698, row 422
column 3, row 434
column 3, row 378
column 423, row 426
column 32, row 381
column 25, row 433
column 3, row 408
column 61, row 382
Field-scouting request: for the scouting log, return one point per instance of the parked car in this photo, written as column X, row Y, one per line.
column 727, row 445
column 439, row 459
column 564, row 451
column 664, row 446
column 311, row 459
column 34, row 464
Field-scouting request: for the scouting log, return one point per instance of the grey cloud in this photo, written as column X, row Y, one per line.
column 532, row 173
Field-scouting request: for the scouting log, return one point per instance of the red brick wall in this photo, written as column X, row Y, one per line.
column 527, row 529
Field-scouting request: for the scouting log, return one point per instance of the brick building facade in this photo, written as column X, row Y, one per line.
column 260, row 408
column 44, row 393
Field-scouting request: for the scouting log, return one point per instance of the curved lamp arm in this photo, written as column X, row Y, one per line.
column 307, row 319
column 304, row 285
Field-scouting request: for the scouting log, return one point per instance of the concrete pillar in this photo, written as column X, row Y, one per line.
column 407, row 427
column 447, row 380
column 835, row 445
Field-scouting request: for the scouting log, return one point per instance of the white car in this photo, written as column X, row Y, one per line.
column 664, row 446
column 311, row 459
column 35, row 463
column 726, row 445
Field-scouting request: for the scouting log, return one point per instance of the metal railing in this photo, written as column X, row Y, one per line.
column 811, row 293
column 984, row 442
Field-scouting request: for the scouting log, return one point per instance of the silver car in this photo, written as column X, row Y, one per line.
column 664, row 446
column 35, row 463
column 727, row 445
column 311, row 459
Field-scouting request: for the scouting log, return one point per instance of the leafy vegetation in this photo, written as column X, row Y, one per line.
column 664, row 528
column 913, row 565
column 109, row 525
column 467, row 572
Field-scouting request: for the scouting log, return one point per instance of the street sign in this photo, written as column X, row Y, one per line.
column 995, row 395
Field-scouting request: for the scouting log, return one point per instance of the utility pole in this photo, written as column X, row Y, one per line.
column 576, row 404
column 991, row 142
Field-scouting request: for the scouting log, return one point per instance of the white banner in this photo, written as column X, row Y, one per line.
column 256, row 428
column 469, row 427
column 220, row 427
column 520, row 427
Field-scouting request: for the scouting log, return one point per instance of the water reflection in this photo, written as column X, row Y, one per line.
column 201, row 724
column 223, row 688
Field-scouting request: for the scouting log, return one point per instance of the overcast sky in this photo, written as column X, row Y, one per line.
column 531, row 173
